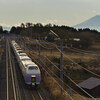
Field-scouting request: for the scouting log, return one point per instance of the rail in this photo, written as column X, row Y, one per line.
column 11, row 72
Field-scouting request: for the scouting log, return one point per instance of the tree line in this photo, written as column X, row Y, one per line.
column 1, row 29
column 67, row 34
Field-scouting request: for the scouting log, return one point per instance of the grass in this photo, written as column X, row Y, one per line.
column 96, row 46
column 75, row 72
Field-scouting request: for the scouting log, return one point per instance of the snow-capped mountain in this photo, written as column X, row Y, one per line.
column 92, row 23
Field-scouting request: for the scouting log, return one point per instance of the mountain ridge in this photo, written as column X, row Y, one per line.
column 6, row 28
column 92, row 23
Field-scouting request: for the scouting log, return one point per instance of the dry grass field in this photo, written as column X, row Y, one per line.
column 89, row 61
column 96, row 46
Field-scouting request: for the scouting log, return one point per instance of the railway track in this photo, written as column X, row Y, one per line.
column 26, row 92
column 12, row 85
column 2, row 71
column 12, row 90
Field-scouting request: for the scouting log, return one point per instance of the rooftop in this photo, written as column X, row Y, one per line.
column 90, row 83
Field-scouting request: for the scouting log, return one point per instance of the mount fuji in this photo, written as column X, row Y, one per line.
column 92, row 23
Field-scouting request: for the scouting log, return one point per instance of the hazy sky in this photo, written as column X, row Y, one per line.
column 61, row 12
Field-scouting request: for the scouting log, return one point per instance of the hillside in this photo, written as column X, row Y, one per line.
column 6, row 28
column 92, row 23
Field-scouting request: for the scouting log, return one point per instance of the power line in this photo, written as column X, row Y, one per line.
column 75, row 62
column 86, row 51
column 79, row 50
column 75, row 84
column 78, row 64
column 48, row 59
column 54, row 79
column 78, row 85
column 60, row 79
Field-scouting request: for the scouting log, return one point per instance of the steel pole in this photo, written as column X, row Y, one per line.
column 39, row 52
column 24, row 44
column 61, row 67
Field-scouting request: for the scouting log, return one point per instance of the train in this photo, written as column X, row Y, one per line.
column 29, row 69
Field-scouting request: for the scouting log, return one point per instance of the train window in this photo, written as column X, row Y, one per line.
column 32, row 68
column 19, row 49
column 25, row 59
column 20, row 52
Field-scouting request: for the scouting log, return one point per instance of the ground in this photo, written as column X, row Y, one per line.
column 89, row 60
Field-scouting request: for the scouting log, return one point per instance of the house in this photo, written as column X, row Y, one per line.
column 92, row 86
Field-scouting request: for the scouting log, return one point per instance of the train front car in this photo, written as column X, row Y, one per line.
column 32, row 75
column 29, row 69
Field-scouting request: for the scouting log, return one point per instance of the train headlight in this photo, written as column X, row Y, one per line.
column 33, row 78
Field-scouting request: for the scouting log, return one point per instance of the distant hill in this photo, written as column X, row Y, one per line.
column 6, row 28
column 92, row 23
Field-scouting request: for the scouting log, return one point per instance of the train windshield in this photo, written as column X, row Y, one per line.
column 33, row 70
column 33, row 67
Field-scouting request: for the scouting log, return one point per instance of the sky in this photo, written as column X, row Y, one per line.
column 60, row 12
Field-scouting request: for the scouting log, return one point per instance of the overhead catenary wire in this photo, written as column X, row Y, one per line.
column 75, row 83
column 56, row 67
column 53, row 79
column 60, row 79
column 46, row 47
column 78, row 85
column 43, row 43
column 77, row 63
column 86, row 51
column 79, row 51
column 81, row 66
column 74, row 61
column 76, row 49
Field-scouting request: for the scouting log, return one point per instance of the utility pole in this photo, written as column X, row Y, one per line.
column 39, row 51
column 24, row 43
column 61, row 67
column 61, row 61
column 38, row 43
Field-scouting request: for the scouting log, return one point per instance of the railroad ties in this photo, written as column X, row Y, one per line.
column 11, row 87
column 16, row 88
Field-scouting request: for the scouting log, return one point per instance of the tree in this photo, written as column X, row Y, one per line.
column 13, row 29
column 1, row 29
column 5, row 31
column 28, row 25
column 22, row 25
column 48, row 25
column 38, row 25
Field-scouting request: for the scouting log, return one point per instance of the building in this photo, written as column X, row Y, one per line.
column 92, row 86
